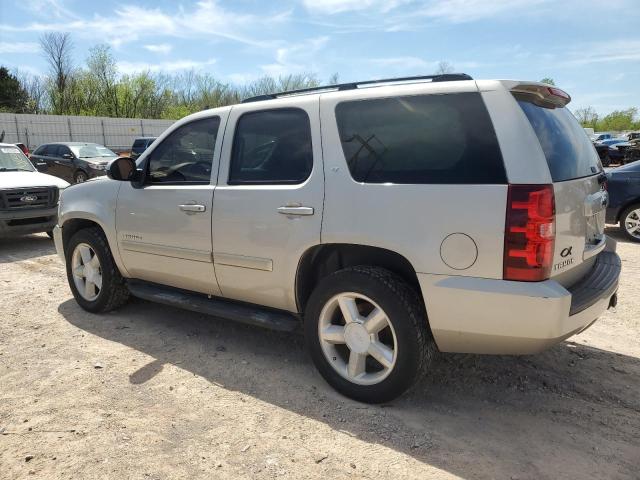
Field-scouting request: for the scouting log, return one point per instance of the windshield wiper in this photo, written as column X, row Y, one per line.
column 5, row 169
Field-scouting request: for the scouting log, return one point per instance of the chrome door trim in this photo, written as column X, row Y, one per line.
column 242, row 261
column 166, row 251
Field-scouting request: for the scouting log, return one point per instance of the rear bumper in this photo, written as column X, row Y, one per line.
column 478, row 315
column 23, row 222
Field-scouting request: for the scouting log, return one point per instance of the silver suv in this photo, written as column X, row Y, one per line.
column 392, row 219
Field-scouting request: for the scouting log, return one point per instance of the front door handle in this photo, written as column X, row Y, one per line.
column 192, row 208
column 295, row 210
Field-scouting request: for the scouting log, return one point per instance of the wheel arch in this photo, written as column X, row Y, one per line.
column 625, row 206
column 322, row 260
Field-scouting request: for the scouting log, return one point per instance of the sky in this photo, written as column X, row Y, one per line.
column 590, row 48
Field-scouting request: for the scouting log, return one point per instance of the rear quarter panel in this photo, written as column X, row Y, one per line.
column 412, row 220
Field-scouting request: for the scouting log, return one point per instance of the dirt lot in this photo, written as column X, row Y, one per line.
column 151, row 392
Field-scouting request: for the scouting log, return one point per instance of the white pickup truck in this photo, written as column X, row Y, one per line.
column 28, row 198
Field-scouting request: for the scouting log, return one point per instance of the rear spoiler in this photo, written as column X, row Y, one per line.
column 543, row 95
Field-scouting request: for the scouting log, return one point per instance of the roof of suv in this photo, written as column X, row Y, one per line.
column 444, row 77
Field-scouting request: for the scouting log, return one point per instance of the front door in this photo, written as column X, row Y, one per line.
column 64, row 163
column 164, row 226
column 268, row 206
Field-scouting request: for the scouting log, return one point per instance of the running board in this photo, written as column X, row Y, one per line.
column 214, row 306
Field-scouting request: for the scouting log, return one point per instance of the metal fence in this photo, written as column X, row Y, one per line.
column 115, row 133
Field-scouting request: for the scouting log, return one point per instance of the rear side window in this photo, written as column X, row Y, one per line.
column 440, row 139
column 569, row 152
column 272, row 147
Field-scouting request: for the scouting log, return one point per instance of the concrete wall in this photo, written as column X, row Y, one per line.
column 114, row 133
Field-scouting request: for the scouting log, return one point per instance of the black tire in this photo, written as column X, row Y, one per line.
column 416, row 349
column 623, row 217
column 114, row 292
column 80, row 177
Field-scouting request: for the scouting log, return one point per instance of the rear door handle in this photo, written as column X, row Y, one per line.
column 192, row 208
column 295, row 210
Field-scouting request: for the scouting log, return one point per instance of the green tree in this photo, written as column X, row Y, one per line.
column 548, row 81
column 619, row 120
column 13, row 96
column 587, row 116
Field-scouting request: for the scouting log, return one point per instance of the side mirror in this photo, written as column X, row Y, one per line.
column 123, row 169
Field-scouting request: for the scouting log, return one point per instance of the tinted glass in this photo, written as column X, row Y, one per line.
column 420, row 139
column 272, row 146
column 570, row 153
column 139, row 145
column 39, row 150
column 186, row 155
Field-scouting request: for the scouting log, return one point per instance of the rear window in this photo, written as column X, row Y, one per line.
column 440, row 139
column 139, row 144
column 569, row 152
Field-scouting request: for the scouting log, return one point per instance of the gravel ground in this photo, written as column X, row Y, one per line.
column 150, row 392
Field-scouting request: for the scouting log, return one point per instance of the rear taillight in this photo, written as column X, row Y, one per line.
column 529, row 233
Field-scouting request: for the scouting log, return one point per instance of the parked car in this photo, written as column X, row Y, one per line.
column 140, row 145
column 24, row 148
column 28, row 198
column 375, row 215
column 624, row 199
column 632, row 136
column 607, row 153
column 598, row 137
column 625, row 152
column 75, row 162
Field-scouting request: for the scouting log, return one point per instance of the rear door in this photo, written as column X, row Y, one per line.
column 268, row 204
column 578, row 182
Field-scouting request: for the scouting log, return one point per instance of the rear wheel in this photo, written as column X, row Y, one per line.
column 630, row 222
column 93, row 276
column 366, row 330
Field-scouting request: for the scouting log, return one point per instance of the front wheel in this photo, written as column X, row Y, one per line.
column 93, row 276
column 366, row 330
column 80, row 177
column 630, row 222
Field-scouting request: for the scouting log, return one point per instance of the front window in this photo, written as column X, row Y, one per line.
column 91, row 151
column 13, row 160
column 186, row 155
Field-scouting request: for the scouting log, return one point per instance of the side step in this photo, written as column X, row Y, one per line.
column 217, row 307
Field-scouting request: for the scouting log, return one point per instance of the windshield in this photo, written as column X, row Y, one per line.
column 91, row 151
column 566, row 146
column 13, row 160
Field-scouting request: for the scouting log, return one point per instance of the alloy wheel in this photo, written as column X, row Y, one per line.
column 632, row 223
column 87, row 272
column 357, row 338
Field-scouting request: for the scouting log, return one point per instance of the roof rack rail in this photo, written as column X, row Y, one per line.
column 443, row 77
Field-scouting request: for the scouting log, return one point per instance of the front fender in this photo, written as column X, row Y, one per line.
column 95, row 201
